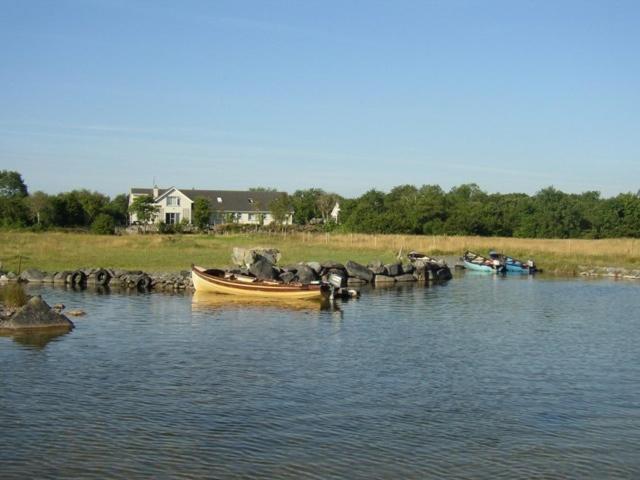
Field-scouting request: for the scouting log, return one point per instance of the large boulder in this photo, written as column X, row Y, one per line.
column 330, row 264
column 35, row 314
column 377, row 267
column 383, row 279
column 32, row 275
column 393, row 269
column 248, row 256
column 359, row 271
column 263, row 269
column 287, row 277
column 315, row 266
column 306, row 274
column 407, row 277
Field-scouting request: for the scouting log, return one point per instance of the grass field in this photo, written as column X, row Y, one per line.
column 53, row 251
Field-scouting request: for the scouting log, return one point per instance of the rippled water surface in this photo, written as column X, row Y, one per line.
column 481, row 378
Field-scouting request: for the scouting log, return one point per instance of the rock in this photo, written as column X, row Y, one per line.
column 443, row 274
column 248, row 256
column 406, row 277
column 11, row 277
column 377, row 268
column 355, row 282
column 36, row 314
column 76, row 312
column 58, row 306
column 315, row 266
column 330, row 264
column 60, row 277
column 306, row 274
column 263, row 269
column 393, row 269
column 31, row 275
column 359, row 271
column 291, row 268
column 383, row 279
column 408, row 268
column 287, row 277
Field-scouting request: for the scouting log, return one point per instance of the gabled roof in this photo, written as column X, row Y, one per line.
column 232, row 200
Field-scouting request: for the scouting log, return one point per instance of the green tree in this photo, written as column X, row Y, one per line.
column 39, row 205
column 93, row 203
column 12, row 185
column 305, row 205
column 325, row 202
column 280, row 208
column 13, row 208
column 118, row 208
column 144, row 208
column 201, row 213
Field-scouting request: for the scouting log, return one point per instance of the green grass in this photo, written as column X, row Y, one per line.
column 55, row 251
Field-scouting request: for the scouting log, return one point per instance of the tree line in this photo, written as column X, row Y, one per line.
column 75, row 209
column 406, row 209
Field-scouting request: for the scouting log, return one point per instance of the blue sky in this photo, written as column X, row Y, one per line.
column 345, row 96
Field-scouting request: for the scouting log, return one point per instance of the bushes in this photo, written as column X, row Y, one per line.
column 103, row 225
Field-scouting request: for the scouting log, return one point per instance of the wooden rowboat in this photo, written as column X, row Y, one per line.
column 214, row 281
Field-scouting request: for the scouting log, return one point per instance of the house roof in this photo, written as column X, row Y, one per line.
column 232, row 200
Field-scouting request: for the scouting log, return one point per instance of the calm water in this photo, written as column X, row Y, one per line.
column 482, row 378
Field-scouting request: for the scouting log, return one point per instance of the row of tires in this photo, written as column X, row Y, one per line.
column 102, row 277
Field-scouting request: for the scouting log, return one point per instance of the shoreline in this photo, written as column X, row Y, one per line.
column 58, row 251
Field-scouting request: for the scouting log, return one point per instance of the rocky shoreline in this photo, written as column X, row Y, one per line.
column 258, row 262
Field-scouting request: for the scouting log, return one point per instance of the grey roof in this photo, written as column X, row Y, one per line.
column 232, row 200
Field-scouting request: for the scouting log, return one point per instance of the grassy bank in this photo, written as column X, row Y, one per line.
column 59, row 251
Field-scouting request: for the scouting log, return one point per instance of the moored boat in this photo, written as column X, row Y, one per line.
column 478, row 263
column 215, row 281
column 514, row 265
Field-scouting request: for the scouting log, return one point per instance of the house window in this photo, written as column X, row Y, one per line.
column 171, row 218
column 252, row 217
column 173, row 201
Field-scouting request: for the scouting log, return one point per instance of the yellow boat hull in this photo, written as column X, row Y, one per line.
column 203, row 282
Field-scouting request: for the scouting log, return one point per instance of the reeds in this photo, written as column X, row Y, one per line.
column 13, row 295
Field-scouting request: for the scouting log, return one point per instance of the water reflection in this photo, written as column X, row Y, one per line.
column 36, row 339
column 203, row 301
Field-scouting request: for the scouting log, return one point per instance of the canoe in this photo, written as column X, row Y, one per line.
column 214, row 281
column 478, row 263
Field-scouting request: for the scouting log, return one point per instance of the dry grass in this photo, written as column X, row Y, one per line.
column 58, row 251
column 13, row 295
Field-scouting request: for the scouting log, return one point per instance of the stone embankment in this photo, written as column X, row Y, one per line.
column 259, row 263
column 104, row 277
column 610, row 272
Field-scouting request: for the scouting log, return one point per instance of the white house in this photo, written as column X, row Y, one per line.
column 227, row 206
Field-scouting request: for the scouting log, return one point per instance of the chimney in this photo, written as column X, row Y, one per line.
column 155, row 191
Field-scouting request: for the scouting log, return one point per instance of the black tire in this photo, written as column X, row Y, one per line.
column 78, row 278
